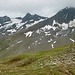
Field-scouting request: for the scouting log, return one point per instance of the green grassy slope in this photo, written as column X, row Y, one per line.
column 58, row 61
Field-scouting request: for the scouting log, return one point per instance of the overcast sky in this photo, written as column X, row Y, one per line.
column 47, row 8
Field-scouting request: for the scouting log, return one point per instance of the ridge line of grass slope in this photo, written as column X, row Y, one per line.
column 34, row 56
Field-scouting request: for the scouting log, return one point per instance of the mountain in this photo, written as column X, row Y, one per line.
column 19, row 18
column 4, row 19
column 44, row 46
column 11, row 25
column 24, row 36
column 31, row 18
column 65, row 15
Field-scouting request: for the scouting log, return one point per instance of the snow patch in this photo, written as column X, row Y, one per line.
column 19, row 42
column 7, row 22
column 36, row 42
column 28, row 34
column 52, row 45
column 0, row 24
column 50, row 40
column 14, row 20
column 54, row 22
column 40, row 39
column 12, row 30
column 72, row 23
column 12, row 45
column 18, row 25
column 64, row 26
column 31, row 20
column 72, row 40
column 48, row 27
column 65, row 35
column 7, row 48
column 29, row 47
column 39, row 43
column 3, row 33
column 47, row 33
column 73, row 30
column 38, row 31
column 2, row 27
column 29, row 25
column 54, row 42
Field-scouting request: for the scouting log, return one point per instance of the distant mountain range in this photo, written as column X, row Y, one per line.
column 34, row 32
column 10, row 25
column 32, row 18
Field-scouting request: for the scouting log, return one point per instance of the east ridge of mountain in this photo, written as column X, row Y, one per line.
column 65, row 15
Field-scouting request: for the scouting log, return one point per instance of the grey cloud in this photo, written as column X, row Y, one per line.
column 41, row 7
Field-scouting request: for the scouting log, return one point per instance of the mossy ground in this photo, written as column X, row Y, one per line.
column 57, row 61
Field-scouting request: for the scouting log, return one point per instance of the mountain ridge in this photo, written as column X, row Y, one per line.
column 40, row 35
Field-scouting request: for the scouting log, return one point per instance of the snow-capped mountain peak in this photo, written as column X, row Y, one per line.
column 35, row 32
column 11, row 25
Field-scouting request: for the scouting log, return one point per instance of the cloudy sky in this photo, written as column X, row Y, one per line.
column 47, row 8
